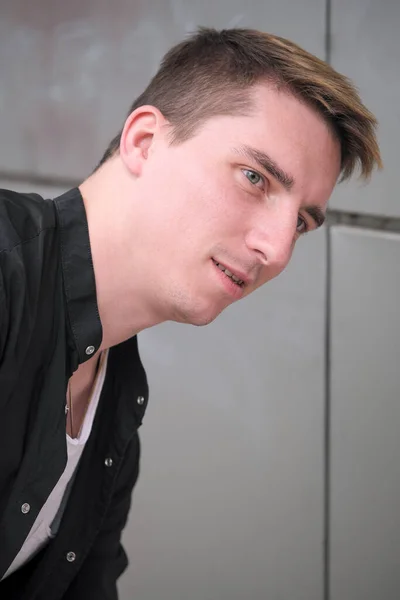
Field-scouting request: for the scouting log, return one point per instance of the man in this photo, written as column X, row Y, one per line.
column 227, row 158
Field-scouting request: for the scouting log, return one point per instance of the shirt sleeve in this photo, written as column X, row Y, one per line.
column 107, row 559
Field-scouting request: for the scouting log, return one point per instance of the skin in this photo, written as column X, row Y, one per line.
column 159, row 214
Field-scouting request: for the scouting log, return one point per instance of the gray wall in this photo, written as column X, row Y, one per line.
column 254, row 453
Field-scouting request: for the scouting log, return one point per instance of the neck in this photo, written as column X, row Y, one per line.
column 125, row 305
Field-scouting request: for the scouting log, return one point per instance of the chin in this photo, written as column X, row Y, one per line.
column 201, row 322
column 196, row 315
column 194, row 307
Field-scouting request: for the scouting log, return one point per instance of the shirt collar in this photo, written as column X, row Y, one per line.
column 78, row 275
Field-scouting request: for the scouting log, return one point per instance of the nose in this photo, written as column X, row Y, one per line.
column 271, row 238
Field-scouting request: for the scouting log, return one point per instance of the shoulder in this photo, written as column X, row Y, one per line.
column 28, row 268
column 23, row 217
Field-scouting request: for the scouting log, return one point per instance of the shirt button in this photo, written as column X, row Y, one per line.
column 25, row 508
column 108, row 462
column 89, row 350
column 140, row 400
column 71, row 556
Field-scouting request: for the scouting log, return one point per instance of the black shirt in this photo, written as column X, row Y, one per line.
column 49, row 324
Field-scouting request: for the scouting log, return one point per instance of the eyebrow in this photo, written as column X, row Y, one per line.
column 284, row 178
column 268, row 165
column 316, row 213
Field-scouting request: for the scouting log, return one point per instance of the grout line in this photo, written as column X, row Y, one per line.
column 327, row 379
column 327, row 419
column 334, row 217
column 36, row 179
column 328, row 31
column 363, row 221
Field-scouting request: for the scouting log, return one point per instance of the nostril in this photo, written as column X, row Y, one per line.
column 262, row 257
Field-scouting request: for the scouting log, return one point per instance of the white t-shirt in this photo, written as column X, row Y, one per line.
column 43, row 528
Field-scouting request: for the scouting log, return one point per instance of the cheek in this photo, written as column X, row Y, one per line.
column 205, row 202
column 197, row 196
column 221, row 198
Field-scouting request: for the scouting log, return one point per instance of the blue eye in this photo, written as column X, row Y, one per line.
column 254, row 177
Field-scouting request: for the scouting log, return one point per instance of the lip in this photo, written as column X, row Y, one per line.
column 235, row 291
column 245, row 278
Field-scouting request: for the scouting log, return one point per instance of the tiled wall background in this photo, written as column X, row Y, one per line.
column 270, row 447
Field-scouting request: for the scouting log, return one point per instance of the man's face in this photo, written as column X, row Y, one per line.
column 225, row 208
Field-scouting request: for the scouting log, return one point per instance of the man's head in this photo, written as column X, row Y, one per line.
column 229, row 155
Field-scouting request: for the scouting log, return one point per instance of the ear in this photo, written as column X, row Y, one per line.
column 138, row 136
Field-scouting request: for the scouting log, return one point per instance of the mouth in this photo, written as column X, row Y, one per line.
column 232, row 276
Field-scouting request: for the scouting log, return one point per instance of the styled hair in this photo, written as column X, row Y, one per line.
column 211, row 73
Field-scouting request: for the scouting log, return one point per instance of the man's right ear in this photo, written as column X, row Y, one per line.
column 138, row 136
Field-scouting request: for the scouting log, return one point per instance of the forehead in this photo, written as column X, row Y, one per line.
column 278, row 116
column 289, row 131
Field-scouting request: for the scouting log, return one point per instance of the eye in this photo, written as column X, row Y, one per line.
column 302, row 226
column 255, row 178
